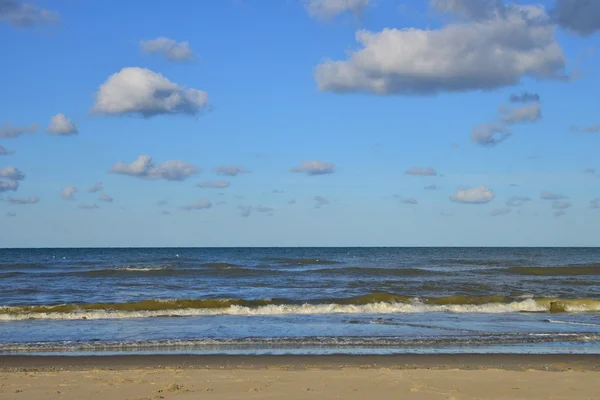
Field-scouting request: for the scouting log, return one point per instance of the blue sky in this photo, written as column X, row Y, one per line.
column 265, row 86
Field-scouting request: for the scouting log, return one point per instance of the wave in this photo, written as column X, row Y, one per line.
column 573, row 270
column 376, row 303
column 297, row 342
column 299, row 261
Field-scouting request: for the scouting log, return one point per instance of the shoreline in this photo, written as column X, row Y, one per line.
column 508, row 362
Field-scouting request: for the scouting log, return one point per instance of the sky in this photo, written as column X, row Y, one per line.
column 299, row 123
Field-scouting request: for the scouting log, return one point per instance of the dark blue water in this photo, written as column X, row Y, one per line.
column 300, row 300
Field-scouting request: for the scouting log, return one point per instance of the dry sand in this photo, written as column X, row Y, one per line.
column 289, row 378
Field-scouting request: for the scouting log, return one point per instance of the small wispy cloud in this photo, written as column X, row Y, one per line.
column 230, row 170
column 432, row 187
column 199, row 205
column 314, row 167
column 517, row 201
column 88, row 206
column 5, row 152
column 320, row 201
column 106, row 198
column 213, row 185
column 8, row 131
column 11, row 214
column 499, row 211
column 20, row 14
column 595, row 203
column 327, row 9
column 68, row 193
column 416, row 171
column 545, row 195
column 525, row 97
column 168, row 48
column 96, row 187
column 582, row 129
column 476, row 195
column 145, row 168
column 561, row 205
column 490, row 134
column 23, row 200
column 245, row 211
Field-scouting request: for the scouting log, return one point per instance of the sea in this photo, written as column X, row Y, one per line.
column 253, row 301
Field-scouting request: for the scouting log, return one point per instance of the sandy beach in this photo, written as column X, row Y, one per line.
column 318, row 377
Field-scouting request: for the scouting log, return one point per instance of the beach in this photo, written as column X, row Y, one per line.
column 458, row 376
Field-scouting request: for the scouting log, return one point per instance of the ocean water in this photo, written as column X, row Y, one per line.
column 299, row 300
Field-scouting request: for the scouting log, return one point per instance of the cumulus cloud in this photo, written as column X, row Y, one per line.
column 230, row 170
column 60, row 125
column 530, row 112
column 320, row 201
column 314, row 167
column 11, row 173
column 561, row 205
column 68, row 193
column 585, row 129
column 24, row 15
column 23, row 200
column 579, row 16
column 421, row 171
column 96, row 187
column 11, row 214
column 144, row 167
column 88, row 206
column 499, row 211
column 5, row 152
column 199, row 205
column 495, row 50
column 545, row 195
column 8, row 131
column 139, row 91
column 168, row 48
column 476, row 195
column 214, row 185
column 6, row 186
column 489, row 135
column 517, row 201
column 595, row 203
column 524, row 97
column 327, row 9
column 245, row 211
column 431, row 187
column 106, row 198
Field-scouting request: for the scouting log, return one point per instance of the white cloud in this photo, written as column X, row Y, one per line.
column 106, row 198
column 96, row 187
column 168, row 48
column 476, row 195
column 199, row 205
column 586, row 129
column 88, row 206
column 213, row 185
column 5, row 152
column 470, row 9
column 477, row 55
column 230, row 170
column 578, row 16
column 320, row 201
column 8, row 131
column 561, row 205
column 6, row 186
column 23, row 200
column 327, row 9
column 144, row 167
column 68, row 193
column 421, row 171
column 11, row 173
column 530, row 112
column 489, row 134
column 139, row 91
column 499, row 211
column 517, row 201
column 60, row 125
column 552, row 196
column 23, row 15
column 315, row 167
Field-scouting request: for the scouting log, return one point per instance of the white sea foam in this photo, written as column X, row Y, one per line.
column 529, row 305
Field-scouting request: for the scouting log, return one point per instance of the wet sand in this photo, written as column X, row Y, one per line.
column 301, row 377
